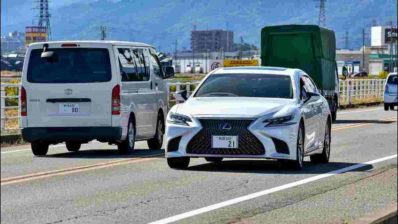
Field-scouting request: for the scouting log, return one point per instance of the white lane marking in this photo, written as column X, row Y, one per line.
column 268, row 191
column 359, row 111
column 52, row 146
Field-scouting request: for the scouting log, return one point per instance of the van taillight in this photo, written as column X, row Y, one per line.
column 24, row 108
column 116, row 100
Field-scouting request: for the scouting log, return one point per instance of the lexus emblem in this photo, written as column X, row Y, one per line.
column 68, row 91
column 225, row 126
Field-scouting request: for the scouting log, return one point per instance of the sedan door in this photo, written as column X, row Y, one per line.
column 311, row 119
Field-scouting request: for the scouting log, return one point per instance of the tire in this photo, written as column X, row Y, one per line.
column 178, row 163
column 386, row 107
column 73, row 146
column 391, row 107
column 297, row 164
column 325, row 155
column 334, row 116
column 157, row 141
column 128, row 144
column 214, row 159
column 39, row 148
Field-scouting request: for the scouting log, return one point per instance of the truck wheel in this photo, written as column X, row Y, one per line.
column 128, row 144
column 157, row 141
column 73, row 146
column 39, row 148
column 178, row 163
column 386, row 107
column 334, row 116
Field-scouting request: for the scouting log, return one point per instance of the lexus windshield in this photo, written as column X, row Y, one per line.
column 246, row 85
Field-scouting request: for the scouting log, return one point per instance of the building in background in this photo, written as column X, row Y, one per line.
column 383, row 50
column 12, row 42
column 352, row 60
column 212, row 40
column 35, row 34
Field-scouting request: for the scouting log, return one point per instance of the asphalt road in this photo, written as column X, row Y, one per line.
column 98, row 185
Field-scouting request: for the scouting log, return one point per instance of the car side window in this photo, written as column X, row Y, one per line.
column 142, row 64
column 128, row 67
column 157, row 69
column 308, row 85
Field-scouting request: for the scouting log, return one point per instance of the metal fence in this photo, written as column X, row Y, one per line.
column 352, row 91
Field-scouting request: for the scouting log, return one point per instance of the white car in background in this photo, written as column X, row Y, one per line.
column 390, row 91
column 250, row 112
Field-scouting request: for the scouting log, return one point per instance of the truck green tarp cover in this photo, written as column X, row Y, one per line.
column 307, row 47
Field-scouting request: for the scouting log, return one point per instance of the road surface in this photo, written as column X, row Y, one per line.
column 98, row 185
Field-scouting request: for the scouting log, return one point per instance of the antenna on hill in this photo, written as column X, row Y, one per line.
column 322, row 15
column 103, row 32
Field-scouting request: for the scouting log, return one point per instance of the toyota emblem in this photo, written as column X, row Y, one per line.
column 68, row 91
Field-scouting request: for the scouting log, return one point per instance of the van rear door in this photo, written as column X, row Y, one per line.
column 73, row 88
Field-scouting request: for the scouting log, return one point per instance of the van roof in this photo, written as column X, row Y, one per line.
column 111, row 42
column 257, row 70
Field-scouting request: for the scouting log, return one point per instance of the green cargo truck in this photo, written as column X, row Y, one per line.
column 306, row 47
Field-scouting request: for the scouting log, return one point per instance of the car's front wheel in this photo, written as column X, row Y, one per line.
column 128, row 144
column 178, row 163
column 386, row 107
column 39, row 148
column 299, row 162
column 73, row 146
column 325, row 156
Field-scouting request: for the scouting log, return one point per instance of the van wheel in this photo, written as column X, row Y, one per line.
column 391, row 107
column 73, row 146
column 325, row 156
column 157, row 141
column 334, row 116
column 178, row 163
column 128, row 144
column 299, row 162
column 386, row 107
column 39, row 148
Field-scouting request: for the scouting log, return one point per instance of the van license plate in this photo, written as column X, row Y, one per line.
column 225, row 142
column 69, row 108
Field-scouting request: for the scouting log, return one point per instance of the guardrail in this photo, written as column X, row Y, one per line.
column 352, row 91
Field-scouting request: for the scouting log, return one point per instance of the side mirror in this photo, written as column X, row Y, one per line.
column 169, row 72
column 181, row 96
column 305, row 96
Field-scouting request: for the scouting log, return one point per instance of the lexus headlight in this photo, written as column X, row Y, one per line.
column 277, row 121
column 180, row 119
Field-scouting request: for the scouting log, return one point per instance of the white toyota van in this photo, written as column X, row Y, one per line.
column 78, row 91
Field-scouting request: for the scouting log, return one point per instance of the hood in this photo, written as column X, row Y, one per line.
column 233, row 106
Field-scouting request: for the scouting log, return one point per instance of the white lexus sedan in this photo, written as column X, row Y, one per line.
column 250, row 112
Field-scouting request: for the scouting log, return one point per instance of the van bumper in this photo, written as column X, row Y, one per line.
column 61, row 134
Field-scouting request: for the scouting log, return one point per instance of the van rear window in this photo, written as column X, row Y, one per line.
column 80, row 65
column 393, row 79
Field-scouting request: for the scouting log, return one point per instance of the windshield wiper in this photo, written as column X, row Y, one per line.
column 220, row 94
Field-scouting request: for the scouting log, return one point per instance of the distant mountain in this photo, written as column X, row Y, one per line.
column 161, row 22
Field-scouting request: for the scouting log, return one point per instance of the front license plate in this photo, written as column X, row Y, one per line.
column 225, row 142
column 69, row 108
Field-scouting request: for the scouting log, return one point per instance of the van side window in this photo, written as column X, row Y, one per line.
column 142, row 64
column 128, row 67
column 156, row 66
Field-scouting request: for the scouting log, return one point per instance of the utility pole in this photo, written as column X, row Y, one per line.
column 322, row 16
column 363, row 49
column 241, row 48
column 346, row 41
column 391, row 46
column 175, row 50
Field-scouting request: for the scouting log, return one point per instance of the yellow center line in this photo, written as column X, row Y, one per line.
column 392, row 119
column 59, row 172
